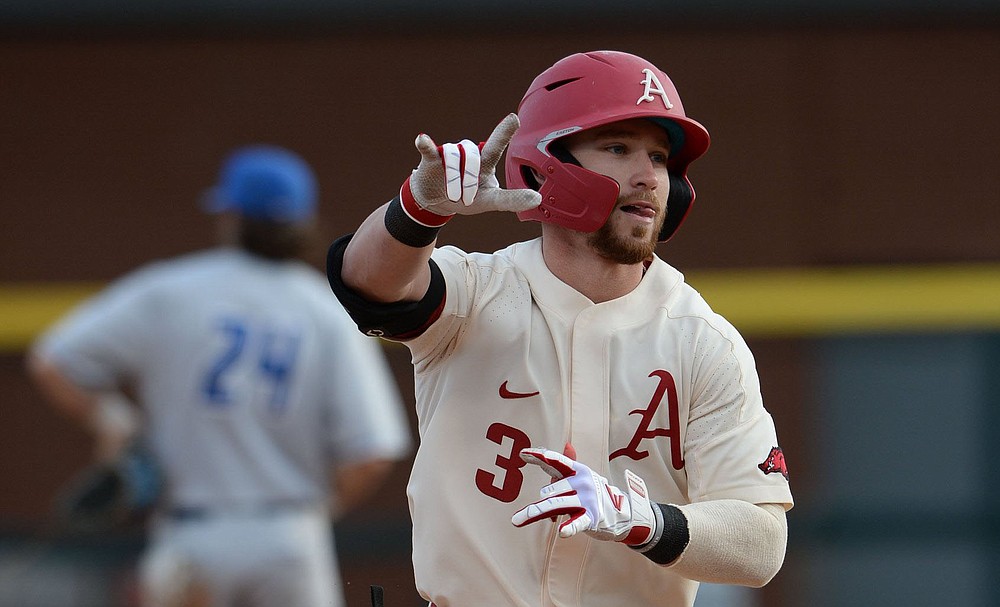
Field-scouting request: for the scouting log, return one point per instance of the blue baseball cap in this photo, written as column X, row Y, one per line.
column 265, row 182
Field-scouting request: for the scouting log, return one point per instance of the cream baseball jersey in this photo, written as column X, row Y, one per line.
column 654, row 382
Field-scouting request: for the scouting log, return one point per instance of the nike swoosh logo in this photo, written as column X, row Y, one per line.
column 505, row 393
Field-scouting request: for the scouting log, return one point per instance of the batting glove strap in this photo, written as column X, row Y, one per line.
column 642, row 523
column 417, row 213
column 671, row 537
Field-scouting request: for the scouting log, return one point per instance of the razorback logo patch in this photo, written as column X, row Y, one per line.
column 775, row 462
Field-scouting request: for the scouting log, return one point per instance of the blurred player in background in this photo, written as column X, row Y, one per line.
column 580, row 353
column 266, row 410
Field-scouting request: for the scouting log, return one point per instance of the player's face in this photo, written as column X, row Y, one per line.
column 633, row 153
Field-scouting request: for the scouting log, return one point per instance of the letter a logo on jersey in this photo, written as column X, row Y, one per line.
column 653, row 87
column 666, row 387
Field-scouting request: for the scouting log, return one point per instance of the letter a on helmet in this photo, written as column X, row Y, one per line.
column 581, row 92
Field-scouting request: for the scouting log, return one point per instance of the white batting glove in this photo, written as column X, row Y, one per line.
column 459, row 178
column 594, row 506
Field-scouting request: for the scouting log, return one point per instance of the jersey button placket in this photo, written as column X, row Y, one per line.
column 588, row 432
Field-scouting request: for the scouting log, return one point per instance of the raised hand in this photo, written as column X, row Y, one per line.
column 460, row 178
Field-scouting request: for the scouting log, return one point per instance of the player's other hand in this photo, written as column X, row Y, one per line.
column 115, row 423
column 592, row 505
column 460, row 178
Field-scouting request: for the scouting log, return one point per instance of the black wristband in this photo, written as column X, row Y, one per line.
column 673, row 540
column 405, row 229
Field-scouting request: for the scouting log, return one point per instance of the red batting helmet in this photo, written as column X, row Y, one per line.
column 583, row 91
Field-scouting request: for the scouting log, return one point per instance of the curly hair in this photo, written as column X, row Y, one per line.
column 276, row 240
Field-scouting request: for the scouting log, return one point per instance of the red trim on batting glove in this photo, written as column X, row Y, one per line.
column 638, row 536
column 418, row 213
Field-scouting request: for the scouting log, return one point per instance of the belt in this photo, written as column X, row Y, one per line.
column 269, row 508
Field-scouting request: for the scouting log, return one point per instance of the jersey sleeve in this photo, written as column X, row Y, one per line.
column 103, row 341
column 731, row 437
column 368, row 416
column 464, row 281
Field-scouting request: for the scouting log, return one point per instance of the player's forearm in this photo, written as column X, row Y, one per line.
column 724, row 541
column 65, row 396
column 108, row 415
column 380, row 268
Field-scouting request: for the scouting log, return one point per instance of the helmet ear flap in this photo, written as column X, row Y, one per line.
column 678, row 204
column 569, row 193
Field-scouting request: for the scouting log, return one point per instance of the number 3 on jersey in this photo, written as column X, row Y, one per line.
column 262, row 356
column 511, row 464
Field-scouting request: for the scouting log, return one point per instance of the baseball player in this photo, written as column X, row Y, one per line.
column 254, row 388
column 592, row 433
